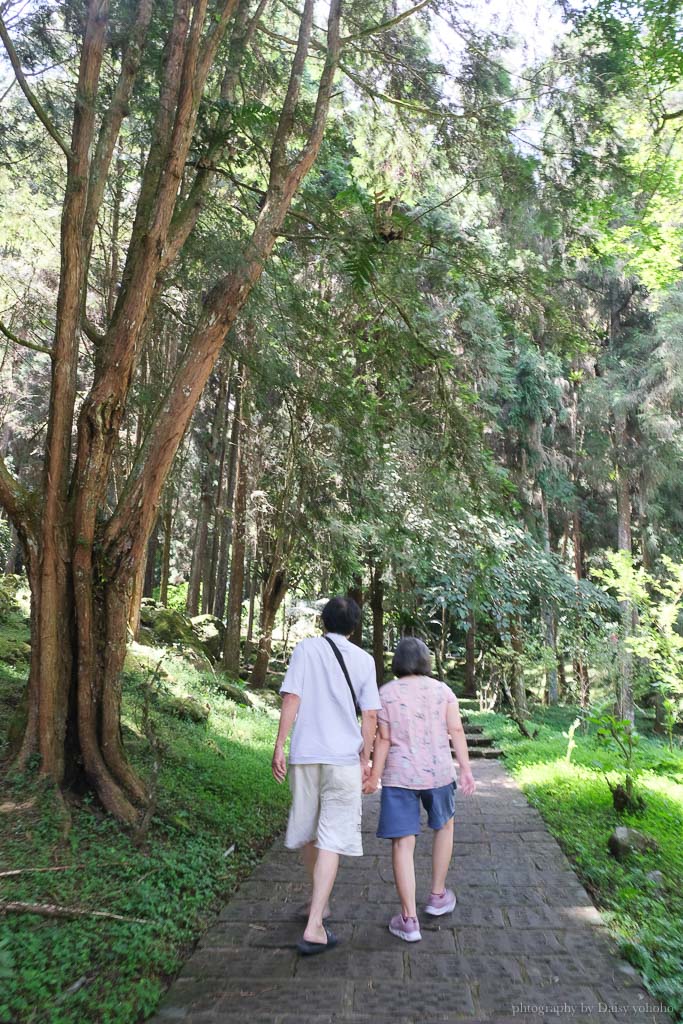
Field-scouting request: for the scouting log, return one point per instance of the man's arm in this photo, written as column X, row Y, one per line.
column 368, row 730
column 288, row 713
column 379, row 758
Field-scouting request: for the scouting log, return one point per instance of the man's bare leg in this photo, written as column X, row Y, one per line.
column 309, row 856
column 324, row 875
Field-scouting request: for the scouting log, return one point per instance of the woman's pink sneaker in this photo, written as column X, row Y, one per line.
column 442, row 904
column 406, row 928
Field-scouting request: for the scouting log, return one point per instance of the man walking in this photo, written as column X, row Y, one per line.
column 329, row 681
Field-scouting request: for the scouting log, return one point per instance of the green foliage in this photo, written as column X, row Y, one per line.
column 655, row 638
column 621, row 736
column 5, row 541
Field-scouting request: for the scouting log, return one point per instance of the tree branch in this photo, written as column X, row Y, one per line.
column 55, row 910
column 415, row 108
column 22, row 341
column 113, row 118
column 91, row 332
column 278, row 156
column 39, row 109
column 374, row 29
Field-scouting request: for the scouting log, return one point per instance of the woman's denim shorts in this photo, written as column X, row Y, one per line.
column 400, row 810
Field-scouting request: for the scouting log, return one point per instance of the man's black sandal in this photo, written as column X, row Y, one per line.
column 307, row 948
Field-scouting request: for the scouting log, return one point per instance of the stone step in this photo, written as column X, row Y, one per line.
column 479, row 741
column 488, row 752
column 473, row 730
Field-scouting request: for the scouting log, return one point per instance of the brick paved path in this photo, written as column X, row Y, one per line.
column 524, row 942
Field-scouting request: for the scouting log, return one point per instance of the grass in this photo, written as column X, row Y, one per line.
column 218, row 809
column 576, row 804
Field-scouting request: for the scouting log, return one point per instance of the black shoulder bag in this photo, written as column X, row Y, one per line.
column 347, row 677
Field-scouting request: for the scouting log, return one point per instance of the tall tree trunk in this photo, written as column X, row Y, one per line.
column 226, row 515
column 200, row 571
column 218, row 512
column 624, row 696
column 208, row 498
column 355, row 592
column 517, row 686
column 233, row 626
column 548, row 617
column 561, row 674
column 195, row 581
column 151, row 562
column 581, row 675
column 377, row 607
column 273, row 594
column 166, row 551
column 253, row 587
column 470, row 656
column 136, row 598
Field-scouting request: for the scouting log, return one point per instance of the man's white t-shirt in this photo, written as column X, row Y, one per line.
column 326, row 730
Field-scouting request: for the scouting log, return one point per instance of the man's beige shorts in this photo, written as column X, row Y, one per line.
column 326, row 808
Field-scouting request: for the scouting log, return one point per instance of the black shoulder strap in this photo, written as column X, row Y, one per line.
column 347, row 677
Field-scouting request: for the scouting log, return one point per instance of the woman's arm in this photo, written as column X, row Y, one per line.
column 459, row 740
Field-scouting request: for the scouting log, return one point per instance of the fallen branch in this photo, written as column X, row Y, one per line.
column 23, row 871
column 54, row 910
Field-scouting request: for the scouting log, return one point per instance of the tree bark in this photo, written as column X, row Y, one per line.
column 273, row 595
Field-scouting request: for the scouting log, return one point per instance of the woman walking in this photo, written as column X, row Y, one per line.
column 412, row 756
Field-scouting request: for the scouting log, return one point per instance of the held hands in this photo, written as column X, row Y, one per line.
column 279, row 763
column 370, row 784
column 466, row 782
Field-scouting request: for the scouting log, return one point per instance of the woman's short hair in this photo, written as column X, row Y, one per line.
column 412, row 658
column 341, row 615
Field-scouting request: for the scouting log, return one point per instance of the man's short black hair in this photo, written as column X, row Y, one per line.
column 412, row 658
column 341, row 615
